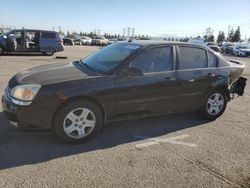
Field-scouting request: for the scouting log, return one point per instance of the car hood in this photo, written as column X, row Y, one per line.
column 49, row 74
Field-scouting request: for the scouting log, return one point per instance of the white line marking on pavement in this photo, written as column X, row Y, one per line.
column 171, row 140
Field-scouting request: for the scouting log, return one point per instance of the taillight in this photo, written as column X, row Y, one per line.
column 61, row 42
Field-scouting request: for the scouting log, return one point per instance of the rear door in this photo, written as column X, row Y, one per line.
column 196, row 69
column 47, row 41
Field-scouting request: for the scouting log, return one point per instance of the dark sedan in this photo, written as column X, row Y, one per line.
column 122, row 81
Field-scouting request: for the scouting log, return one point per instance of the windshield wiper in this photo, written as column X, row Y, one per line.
column 87, row 66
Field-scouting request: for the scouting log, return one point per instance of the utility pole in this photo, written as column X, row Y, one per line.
column 229, row 27
column 133, row 32
column 128, row 32
column 124, row 32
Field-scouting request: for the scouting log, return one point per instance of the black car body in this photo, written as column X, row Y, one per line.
column 30, row 41
column 134, row 87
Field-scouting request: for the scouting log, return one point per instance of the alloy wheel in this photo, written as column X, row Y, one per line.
column 215, row 104
column 79, row 123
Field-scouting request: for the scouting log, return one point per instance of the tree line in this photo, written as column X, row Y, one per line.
column 106, row 35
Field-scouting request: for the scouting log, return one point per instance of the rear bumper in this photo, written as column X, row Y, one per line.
column 60, row 48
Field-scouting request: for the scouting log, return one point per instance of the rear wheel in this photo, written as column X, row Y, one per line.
column 214, row 105
column 78, row 121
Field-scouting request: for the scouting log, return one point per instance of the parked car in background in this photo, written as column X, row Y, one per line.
column 122, row 81
column 78, row 41
column 241, row 50
column 215, row 48
column 30, row 41
column 227, row 47
column 99, row 40
column 68, row 41
column 86, row 40
column 199, row 41
column 211, row 43
column 112, row 41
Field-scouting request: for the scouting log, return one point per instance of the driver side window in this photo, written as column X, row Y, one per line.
column 158, row 59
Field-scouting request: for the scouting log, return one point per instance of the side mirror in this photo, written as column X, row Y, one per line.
column 132, row 71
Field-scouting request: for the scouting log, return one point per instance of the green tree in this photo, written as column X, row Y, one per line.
column 68, row 33
column 236, row 36
column 231, row 36
column 210, row 39
column 221, row 37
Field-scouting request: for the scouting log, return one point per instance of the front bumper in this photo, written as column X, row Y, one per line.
column 29, row 116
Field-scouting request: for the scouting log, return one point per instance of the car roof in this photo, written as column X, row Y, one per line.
column 36, row 30
column 159, row 42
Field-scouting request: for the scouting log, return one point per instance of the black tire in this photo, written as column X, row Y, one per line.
column 1, row 50
column 204, row 109
column 60, row 119
column 51, row 53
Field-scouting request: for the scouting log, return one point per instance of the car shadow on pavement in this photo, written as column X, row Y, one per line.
column 23, row 148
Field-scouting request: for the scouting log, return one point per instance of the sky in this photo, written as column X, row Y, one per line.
column 152, row 17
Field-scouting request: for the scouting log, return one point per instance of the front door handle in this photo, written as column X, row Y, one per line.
column 211, row 75
column 169, row 78
column 190, row 81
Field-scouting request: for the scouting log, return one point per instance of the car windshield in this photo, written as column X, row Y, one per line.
column 108, row 58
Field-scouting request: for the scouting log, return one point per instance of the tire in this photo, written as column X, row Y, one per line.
column 1, row 50
column 214, row 105
column 73, row 126
column 51, row 53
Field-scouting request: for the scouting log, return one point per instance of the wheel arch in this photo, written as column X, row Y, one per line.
column 87, row 98
column 223, row 88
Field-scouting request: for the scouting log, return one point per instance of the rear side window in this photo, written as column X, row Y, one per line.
column 192, row 58
column 154, row 60
column 48, row 35
column 212, row 61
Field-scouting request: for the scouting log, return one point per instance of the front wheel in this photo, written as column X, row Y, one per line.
column 78, row 121
column 1, row 50
column 214, row 105
column 49, row 53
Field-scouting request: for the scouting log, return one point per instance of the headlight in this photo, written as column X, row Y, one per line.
column 25, row 92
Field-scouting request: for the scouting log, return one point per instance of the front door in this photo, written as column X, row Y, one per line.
column 153, row 92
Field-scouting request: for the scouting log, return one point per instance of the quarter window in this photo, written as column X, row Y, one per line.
column 154, row 60
column 211, row 59
column 192, row 58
